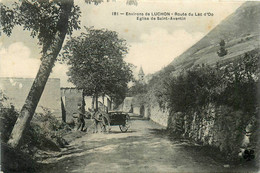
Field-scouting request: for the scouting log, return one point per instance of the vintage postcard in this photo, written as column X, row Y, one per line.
column 129, row 86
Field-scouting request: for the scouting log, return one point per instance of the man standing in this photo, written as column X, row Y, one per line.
column 101, row 119
column 80, row 118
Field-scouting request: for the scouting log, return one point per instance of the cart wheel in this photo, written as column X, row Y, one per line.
column 125, row 127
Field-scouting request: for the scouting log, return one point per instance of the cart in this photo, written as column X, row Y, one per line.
column 119, row 118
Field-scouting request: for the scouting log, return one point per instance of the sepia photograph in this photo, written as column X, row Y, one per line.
column 147, row 86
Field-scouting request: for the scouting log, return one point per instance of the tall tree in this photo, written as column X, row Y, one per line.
column 96, row 63
column 49, row 21
column 222, row 51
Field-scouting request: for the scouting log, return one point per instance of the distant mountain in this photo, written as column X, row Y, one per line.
column 240, row 31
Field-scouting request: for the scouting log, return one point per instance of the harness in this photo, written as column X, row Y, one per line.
column 98, row 116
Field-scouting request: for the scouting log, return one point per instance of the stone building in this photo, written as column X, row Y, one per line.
column 17, row 89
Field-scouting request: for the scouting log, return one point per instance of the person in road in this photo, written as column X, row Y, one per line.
column 80, row 118
column 101, row 119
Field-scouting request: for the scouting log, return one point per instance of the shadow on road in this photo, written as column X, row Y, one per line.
column 117, row 132
column 194, row 149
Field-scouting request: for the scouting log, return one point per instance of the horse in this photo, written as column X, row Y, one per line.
column 100, row 118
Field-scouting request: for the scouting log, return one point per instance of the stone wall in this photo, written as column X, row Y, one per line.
column 127, row 104
column 156, row 114
column 150, row 111
column 220, row 127
column 17, row 89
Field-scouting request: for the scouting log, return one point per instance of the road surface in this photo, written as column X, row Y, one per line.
column 144, row 148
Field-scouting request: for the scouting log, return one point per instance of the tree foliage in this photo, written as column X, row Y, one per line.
column 222, row 50
column 241, row 79
column 157, row 87
column 42, row 18
column 192, row 89
column 137, row 88
column 233, row 85
column 96, row 63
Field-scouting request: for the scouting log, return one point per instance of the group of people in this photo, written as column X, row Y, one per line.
column 99, row 118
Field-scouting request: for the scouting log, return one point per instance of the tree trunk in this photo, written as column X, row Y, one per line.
column 93, row 102
column 96, row 97
column 103, row 100
column 48, row 59
column 111, row 104
column 83, row 103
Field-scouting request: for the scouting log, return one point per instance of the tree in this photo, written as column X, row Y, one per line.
column 96, row 64
column 138, row 88
column 49, row 21
column 222, row 51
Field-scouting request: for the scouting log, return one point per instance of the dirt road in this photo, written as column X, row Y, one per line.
column 144, row 148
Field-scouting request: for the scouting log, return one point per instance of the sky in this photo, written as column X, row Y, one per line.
column 152, row 44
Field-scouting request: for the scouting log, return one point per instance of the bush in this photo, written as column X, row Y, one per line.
column 240, row 80
column 45, row 127
column 234, row 85
column 8, row 118
column 45, row 131
column 193, row 89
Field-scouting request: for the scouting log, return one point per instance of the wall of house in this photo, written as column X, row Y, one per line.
column 107, row 105
column 71, row 98
column 17, row 89
column 88, row 102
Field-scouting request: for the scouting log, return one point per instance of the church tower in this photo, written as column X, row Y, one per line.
column 141, row 75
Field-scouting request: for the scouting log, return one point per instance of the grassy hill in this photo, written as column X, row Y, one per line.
column 240, row 31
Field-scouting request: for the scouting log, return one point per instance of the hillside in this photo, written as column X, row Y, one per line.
column 240, row 31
